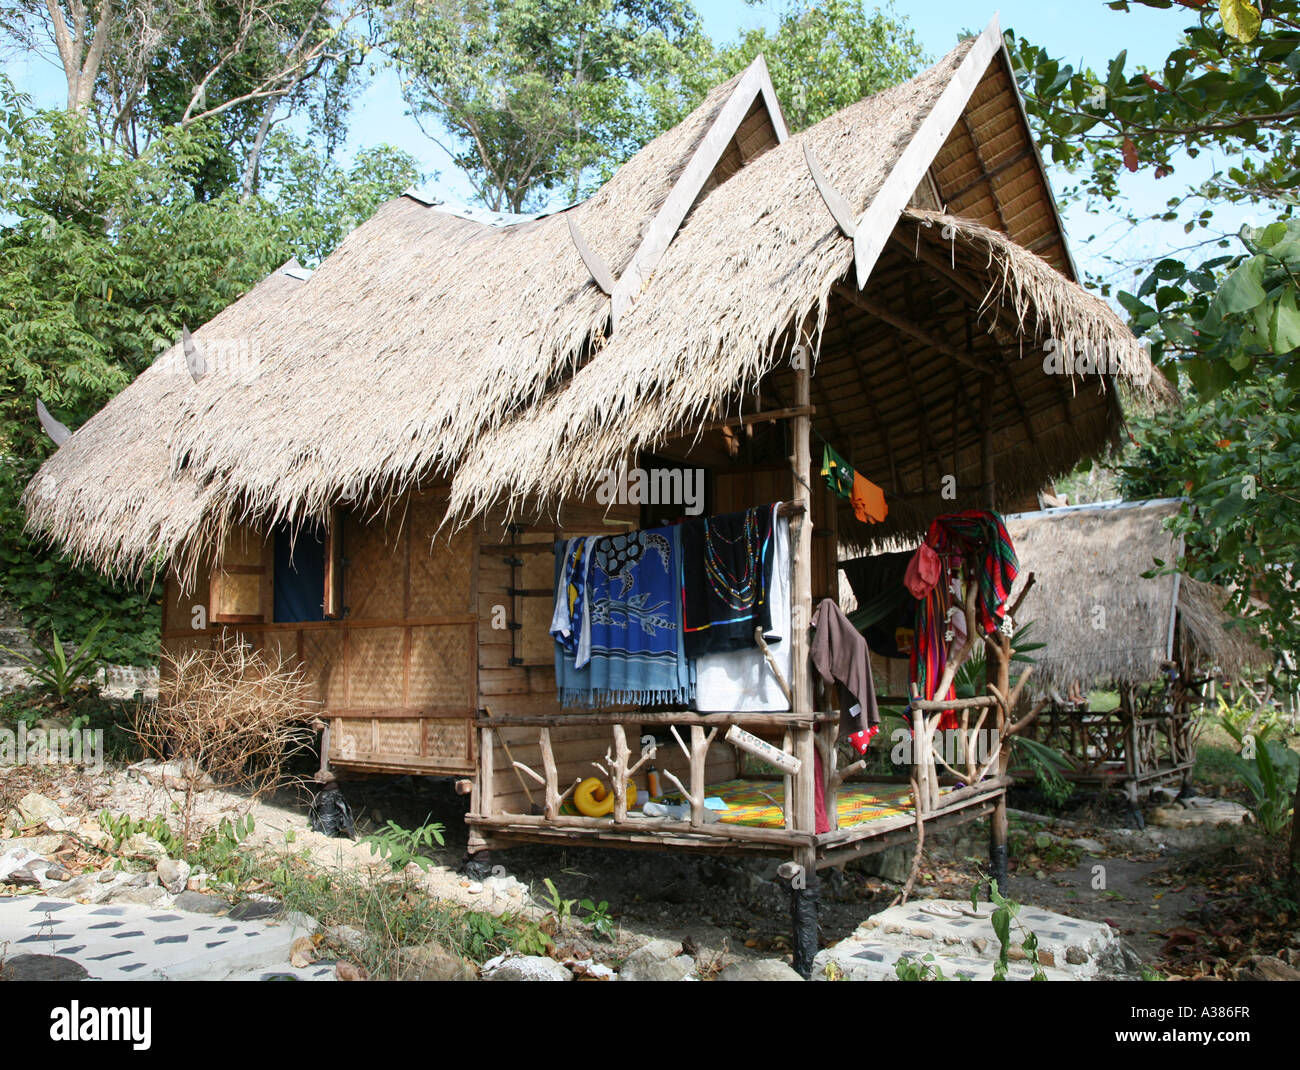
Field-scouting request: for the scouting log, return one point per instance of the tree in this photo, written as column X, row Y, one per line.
column 825, row 57
column 135, row 67
column 105, row 256
column 536, row 98
column 1223, row 324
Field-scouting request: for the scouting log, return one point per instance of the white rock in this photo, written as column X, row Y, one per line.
column 173, row 874
column 36, row 809
column 524, row 968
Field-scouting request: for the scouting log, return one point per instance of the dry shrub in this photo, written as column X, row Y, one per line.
column 229, row 717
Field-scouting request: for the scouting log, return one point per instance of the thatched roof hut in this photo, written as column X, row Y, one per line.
column 431, row 346
column 1103, row 623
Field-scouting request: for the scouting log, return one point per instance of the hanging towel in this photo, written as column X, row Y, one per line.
column 636, row 649
column 837, row 472
column 742, row 680
column 842, row 658
column 981, row 538
column 570, row 622
column 727, row 568
column 868, row 500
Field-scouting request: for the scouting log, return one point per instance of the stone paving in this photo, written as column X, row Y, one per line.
column 966, row 946
column 125, row 942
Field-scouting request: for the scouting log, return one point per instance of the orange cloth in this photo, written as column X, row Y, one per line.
column 868, row 500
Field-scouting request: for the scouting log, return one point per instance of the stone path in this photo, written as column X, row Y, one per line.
column 965, row 946
column 123, row 942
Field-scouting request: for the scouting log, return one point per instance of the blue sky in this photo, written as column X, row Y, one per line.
column 1077, row 31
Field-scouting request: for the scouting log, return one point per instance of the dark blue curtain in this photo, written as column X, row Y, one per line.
column 300, row 575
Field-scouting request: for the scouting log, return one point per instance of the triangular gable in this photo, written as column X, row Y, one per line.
column 877, row 223
column 735, row 136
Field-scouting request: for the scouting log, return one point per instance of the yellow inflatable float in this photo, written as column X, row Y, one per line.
column 593, row 799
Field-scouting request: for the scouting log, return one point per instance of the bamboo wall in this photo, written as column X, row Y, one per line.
column 396, row 677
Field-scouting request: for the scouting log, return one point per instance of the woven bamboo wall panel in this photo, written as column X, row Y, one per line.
column 397, row 738
column 447, row 739
column 322, row 656
column 178, row 608
column 441, row 580
column 375, row 667
column 374, row 583
column 243, row 546
column 351, row 738
column 442, row 668
column 281, row 646
column 241, row 594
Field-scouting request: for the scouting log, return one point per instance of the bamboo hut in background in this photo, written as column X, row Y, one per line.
column 443, row 398
column 1157, row 640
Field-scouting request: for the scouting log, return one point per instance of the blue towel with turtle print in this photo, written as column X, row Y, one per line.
column 633, row 616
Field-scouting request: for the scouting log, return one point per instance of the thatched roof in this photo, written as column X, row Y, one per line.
column 108, row 494
column 432, row 345
column 1103, row 622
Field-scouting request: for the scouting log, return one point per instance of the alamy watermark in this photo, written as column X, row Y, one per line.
column 1131, row 359
column 52, row 746
column 654, row 486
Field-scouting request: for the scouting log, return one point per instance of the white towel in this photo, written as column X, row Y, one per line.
column 742, row 680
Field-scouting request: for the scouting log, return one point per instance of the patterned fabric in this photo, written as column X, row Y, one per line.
column 727, row 573
column 981, row 539
column 634, row 612
column 758, row 803
column 567, row 622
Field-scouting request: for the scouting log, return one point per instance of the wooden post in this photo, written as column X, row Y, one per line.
column 997, row 668
column 486, row 759
column 552, row 787
column 801, row 597
column 618, row 774
column 699, row 752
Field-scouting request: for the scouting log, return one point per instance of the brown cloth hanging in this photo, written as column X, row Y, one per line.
column 842, row 657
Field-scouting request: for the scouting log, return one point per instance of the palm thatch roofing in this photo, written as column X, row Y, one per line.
column 435, row 346
column 1102, row 621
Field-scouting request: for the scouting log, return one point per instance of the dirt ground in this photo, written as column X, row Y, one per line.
column 738, row 906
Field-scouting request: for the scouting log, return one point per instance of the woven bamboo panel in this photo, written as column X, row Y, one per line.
column 397, row 739
column 243, row 546
column 322, row 655
column 440, row 567
column 178, row 608
column 351, row 738
column 241, row 594
column 442, row 672
column 447, row 740
column 280, row 647
column 375, row 667
column 374, row 584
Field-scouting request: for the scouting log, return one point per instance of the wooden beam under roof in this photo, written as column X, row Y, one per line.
column 902, row 323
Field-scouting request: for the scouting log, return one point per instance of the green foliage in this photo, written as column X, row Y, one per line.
column 919, row 969
column 598, row 918
column 402, row 847
column 542, row 97
column 106, row 254
column 1005, row 912
column 1269, row 770
column 122, row 827
column 823, row 57
column 561, row 908
column 53, row 670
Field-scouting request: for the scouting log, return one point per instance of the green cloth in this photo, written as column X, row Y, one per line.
column 838, row 472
